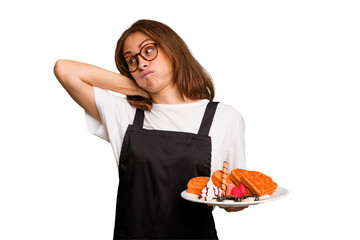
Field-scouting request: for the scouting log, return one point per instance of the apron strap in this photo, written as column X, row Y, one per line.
column 139, row 118
column 208, row 118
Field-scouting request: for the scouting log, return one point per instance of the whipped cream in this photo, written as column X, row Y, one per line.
column 210, row 191
column 264, row 197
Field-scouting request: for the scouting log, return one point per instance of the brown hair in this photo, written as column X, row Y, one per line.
column 191, row 79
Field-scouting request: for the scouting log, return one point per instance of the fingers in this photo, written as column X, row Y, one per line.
column 233, row 209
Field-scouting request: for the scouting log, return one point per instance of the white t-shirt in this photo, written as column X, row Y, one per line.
column 226, row 132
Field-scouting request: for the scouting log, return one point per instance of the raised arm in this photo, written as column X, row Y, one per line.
column 78, row 78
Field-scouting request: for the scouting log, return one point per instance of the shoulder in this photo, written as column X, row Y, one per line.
column 228, row 113
column 113, row 104
column 105, row 96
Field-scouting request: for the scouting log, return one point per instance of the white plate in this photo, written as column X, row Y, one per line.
column 279, row 193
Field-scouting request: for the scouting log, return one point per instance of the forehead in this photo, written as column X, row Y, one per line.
column 134, row 41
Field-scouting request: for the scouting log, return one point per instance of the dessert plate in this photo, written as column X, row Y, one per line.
column 279, row 193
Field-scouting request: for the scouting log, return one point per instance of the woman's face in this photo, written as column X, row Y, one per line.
column 153, row 76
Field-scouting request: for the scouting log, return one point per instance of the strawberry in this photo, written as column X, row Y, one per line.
column 243, row 189
column 239, row 191
column 229, row 188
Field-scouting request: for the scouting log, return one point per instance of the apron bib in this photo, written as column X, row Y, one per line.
column 154, row 168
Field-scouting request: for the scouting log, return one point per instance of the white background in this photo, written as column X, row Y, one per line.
column 289, row 67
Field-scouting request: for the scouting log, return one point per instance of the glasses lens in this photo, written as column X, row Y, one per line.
column 131, row 63
column 149, row 52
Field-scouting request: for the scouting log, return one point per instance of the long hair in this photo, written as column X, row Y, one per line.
column 190, row 78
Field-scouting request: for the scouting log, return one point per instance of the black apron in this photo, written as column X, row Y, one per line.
column 154, row 168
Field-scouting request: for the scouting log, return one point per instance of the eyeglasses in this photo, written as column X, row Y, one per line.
column 148, row 52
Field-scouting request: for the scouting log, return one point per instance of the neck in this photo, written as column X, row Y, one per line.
column 170, row 96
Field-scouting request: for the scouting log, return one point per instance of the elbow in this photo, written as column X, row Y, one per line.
column 60, row 69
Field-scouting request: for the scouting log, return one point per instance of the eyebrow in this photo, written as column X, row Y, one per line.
column 138, row 46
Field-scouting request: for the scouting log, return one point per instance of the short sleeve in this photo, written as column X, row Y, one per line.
column 236, row 148
column 93, row 125
column 116, row 114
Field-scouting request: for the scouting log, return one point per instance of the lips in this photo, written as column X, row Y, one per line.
column 144, row 74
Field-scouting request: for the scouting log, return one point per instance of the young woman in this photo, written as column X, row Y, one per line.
column 166, row 131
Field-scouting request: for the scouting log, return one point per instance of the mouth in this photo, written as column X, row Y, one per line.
column 144, row 74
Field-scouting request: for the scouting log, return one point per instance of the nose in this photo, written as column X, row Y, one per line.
column 142, row 63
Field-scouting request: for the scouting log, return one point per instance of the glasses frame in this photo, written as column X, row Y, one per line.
column 125, row 65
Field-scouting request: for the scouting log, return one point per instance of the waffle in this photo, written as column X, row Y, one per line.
column 259, row 183
column 255, row 182
column 236, row 174
column 196, row 184
column 217, row 176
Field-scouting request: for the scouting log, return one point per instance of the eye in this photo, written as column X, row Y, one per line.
column 149, row 50
column 131, row 61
